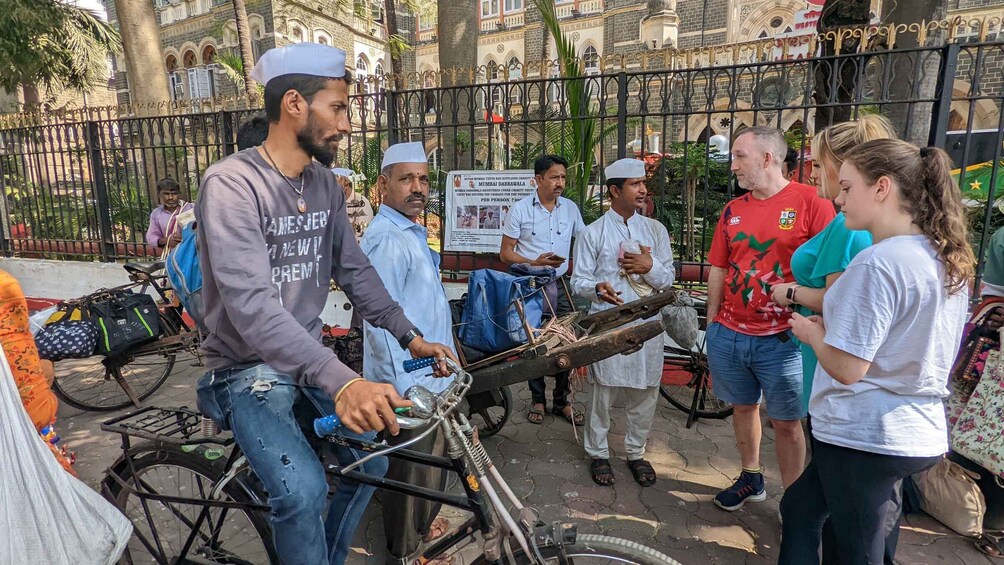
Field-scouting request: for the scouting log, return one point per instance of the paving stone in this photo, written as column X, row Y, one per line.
column 547, row 468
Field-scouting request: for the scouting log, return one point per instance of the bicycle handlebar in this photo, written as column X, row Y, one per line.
column 426, row 403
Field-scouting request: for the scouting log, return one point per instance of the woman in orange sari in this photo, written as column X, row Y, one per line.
column 31, row 374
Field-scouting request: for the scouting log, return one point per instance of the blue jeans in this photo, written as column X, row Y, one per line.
column 745, row 368
column 271, row 418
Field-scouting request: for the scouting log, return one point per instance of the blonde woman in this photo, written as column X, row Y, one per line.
column 885, row 343
column 817, row 263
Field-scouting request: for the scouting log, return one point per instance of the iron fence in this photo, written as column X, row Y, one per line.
column 83, row 189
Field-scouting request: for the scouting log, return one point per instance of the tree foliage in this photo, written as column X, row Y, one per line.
column 54, row 45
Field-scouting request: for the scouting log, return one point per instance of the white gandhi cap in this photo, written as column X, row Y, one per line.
column 625, row 169
column 300, row 58
column 347, row 173
column 413, row 152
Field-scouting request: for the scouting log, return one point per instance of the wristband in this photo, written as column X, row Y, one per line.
column 409, row 337
column 791, row 294
column 345, row 386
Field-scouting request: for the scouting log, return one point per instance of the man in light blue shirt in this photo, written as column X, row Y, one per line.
column 538, row 231
column 396, row 246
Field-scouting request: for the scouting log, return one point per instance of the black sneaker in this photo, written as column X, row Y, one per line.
column 748, row 487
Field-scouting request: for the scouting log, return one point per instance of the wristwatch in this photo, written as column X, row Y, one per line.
column 407, row 338
column 790, row 295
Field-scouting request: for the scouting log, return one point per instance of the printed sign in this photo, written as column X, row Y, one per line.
column 477, row 205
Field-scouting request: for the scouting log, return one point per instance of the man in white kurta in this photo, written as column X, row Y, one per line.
column 608, row 273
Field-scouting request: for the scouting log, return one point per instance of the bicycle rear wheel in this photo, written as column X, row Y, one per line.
column 490, row 410
column 592, row 549
column 226, row 536
column 686, row 384
column 95, row 383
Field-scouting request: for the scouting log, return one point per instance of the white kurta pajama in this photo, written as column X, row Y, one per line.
column 636, row 375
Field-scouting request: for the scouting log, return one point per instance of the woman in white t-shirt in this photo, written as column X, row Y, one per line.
column 886, row 342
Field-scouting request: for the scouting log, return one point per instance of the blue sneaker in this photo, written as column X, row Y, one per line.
column 747, row 488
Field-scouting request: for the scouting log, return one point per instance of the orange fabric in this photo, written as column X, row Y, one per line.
column 22, row 355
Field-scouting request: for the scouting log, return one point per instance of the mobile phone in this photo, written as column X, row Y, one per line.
column 558, row 257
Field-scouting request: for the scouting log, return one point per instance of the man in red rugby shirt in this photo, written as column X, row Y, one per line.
column 752, row 354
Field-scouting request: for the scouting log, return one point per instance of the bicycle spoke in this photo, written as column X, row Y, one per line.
column 223, row 535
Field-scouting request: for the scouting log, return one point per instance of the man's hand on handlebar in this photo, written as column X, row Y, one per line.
column 365, row 406
column 421, row 348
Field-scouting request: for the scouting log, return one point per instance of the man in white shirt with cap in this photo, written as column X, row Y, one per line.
column 396, row 244
column 621, row 257
column 272, row 233
column 539, row 231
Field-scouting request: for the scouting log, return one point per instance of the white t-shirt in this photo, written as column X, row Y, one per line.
column 890, row 307
column 538, row 231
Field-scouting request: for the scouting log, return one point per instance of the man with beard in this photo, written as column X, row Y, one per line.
column 622, row 257
column 397, row 246
column 539, row 232
column 751, row 351
column 273, row 233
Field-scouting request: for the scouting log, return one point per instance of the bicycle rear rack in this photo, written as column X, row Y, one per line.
column 178, row 426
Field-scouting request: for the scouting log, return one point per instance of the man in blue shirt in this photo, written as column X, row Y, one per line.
column 538, row 231
column 395, row 244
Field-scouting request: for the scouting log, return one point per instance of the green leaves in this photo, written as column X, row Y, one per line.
column 52, row 44
column 584, row 138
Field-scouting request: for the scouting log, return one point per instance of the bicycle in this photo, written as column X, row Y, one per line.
column 105, row 383
column 226, row 521
column 686, row 381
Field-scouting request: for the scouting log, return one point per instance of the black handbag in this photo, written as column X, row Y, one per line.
column 124, row 319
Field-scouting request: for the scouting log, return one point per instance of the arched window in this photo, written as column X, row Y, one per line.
column 296, row 35
column 378, row 71
column 208, row 55
column 190, row 60
column 171, row 63
column 362, row 66
column 515, row 68
column 591, row 60
column 322, row 40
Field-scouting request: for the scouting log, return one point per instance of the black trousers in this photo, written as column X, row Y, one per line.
column 561, row 387
column 859, row 492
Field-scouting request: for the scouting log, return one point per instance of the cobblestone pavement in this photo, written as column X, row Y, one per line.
column 547, row 468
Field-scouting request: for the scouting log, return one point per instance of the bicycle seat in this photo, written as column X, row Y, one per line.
column 145, row 268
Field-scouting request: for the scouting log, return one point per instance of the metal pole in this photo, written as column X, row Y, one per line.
column 943, row 105
column 100, row 191
column 622, row 96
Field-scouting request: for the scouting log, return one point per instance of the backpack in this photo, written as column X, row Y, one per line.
column 185, row 274
column 490, row 321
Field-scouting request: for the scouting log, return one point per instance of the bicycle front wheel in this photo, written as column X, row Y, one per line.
column 592, row 549
column 98, row 384
column 226, row 536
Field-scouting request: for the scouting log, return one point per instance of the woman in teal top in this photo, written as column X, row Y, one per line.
column 817, row 263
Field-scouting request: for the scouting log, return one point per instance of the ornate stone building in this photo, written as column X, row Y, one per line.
column 194, row 32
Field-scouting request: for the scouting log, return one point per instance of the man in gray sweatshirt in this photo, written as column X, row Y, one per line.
column 272, row 231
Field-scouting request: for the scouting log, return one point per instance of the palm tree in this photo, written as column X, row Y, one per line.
column 584, row 137
column 246, row 53
column 54, row 46
column 458, row 53
column 144, row 57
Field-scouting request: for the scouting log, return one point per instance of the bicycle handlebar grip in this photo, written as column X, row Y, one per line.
column 420, row 363
column 327, row 425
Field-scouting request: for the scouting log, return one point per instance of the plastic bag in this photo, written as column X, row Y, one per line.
column 59, row 520
column 38, row 319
